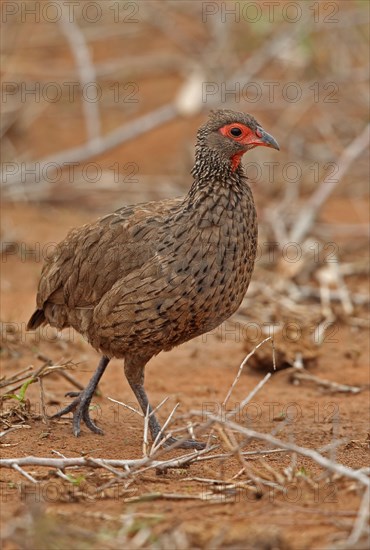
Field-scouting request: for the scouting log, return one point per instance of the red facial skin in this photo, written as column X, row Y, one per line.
column 248, row 137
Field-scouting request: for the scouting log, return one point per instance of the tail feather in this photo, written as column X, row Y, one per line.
column 36, row 320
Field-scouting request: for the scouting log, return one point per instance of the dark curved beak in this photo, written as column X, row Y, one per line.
column 266, row 139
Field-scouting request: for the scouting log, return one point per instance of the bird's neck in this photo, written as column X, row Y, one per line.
column 209, row 166
column 218, row 193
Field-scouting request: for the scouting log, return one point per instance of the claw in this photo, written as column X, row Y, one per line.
column 69, row 408
column 187, row 444
column 174, row 442
column 91, row 425
column 80, row 407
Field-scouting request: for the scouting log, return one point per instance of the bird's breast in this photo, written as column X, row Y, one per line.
column 208, row 274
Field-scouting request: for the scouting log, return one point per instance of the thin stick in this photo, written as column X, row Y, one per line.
column 126, row 406
column 109, row 469
column 308, row 213
column 6, row 432
column 159, row 406
column 309, row 453
column 58, row 453
column 86, row 72
column 42, row 399
column 244, row 362
column 329, row 384
column 126, row 132
column 21, row 374
column 362, row 520
column 44, row 370
column 273, row 354
column 63, row 475
column 24, row 473
column 244, row 453
column 260, row 384
column 63, row 463
column 148, row 497
column 159, row 435
column 71, row 379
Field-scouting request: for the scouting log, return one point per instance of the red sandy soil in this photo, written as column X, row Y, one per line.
column 198, row 375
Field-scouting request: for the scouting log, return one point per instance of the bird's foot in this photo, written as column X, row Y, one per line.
column 80, row 407
column 184, row 444
column 159, row 438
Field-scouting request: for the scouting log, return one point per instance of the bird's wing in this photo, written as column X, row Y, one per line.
column 163, row 297
column 87, row 263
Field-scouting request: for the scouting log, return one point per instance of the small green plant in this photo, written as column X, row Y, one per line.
column 76, row 480
column 142, row 523
column 20, row 397
column 302, row 472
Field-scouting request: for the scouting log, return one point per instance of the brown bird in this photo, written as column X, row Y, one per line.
column 149, row 277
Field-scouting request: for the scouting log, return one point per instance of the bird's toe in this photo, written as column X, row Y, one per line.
column 184, row 444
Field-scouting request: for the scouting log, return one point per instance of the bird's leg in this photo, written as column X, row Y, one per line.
column 134, row 371
column 80, row 405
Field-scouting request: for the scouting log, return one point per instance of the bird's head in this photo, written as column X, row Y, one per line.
column 227, row 135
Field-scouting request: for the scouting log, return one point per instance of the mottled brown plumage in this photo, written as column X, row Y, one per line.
column 149, row 277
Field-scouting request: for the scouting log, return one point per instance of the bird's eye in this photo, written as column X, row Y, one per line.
column 236, row 132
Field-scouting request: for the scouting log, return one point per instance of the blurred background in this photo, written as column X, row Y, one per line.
column 101, row 102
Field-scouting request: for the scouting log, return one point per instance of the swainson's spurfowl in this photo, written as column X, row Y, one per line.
column 151, row 276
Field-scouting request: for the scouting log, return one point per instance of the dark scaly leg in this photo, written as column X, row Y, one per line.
column 134, row 371
column 80, row 406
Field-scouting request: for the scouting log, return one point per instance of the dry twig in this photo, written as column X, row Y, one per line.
column 312, row 207
column 243, row 363
column 86, row 72
column 329, row 384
